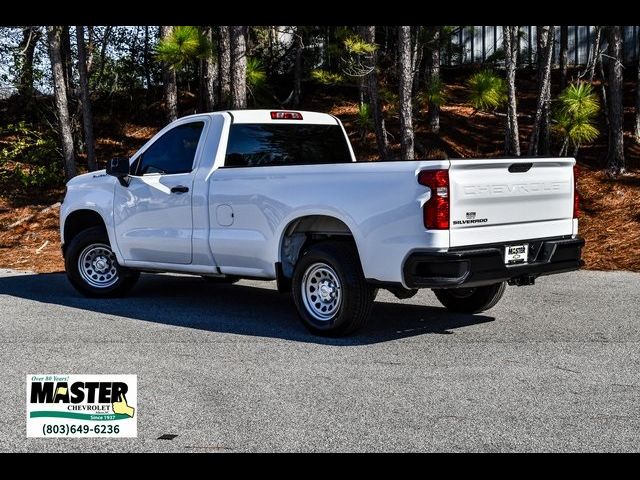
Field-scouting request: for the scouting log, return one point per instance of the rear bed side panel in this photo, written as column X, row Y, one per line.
column 381, row 202
column 490, row 203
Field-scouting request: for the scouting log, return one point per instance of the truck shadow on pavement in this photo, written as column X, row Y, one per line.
column 191, row 302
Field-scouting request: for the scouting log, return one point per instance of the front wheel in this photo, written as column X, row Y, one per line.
column 92, row 268
column 471, row 300
column 329, row 289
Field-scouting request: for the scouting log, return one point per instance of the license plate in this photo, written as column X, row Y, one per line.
column 516, row 254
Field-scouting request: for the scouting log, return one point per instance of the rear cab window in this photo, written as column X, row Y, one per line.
column 267, row 144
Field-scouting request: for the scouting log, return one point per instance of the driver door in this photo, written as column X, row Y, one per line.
column 152, row 215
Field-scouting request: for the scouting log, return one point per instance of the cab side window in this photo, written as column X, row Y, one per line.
column 172, row 153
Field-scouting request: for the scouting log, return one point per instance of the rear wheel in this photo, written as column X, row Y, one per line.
column 92, row 267
column 471, row 300
column 329, row 289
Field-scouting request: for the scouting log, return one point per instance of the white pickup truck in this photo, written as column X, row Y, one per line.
column 279, row 195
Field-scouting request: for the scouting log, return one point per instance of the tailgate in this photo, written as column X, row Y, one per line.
column 506, row 200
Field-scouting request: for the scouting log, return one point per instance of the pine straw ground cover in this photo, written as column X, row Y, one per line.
column 610, row 223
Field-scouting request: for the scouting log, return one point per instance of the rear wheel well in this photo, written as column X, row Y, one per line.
column 306, row 231
column 81, row 220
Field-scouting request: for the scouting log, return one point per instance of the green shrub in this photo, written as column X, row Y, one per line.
column 325, row 77
column 433, row 93
column 357, row 46
column 183, row 45
column 574, row 115
column 487, row 91
column 390, row 99
column 364, row 119
column 40, row 176
column 31, row 156
column 256, row 75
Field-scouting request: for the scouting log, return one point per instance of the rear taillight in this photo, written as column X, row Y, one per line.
column 286, row 116
column 436, row 210
column 576, row 195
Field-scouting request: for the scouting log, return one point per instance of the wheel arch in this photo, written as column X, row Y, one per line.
column 79, row 220
column 304, row 230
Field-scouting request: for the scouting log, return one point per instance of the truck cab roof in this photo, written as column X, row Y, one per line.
column 266, row 116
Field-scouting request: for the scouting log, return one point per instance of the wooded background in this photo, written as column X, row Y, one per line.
column 53, row 75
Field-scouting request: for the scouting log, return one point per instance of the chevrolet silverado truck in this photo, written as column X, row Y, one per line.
column 262, row 194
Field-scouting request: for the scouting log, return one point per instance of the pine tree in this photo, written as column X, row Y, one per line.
column 238, row 67
column 433, row 78
column 224, row 65
column 539, row 143
column 615, row 156
column 512, row 140
column 26, row 49
column 87, row 115
column 374, row 98
column 637, row 122
column 209, row 74
column 62, row 106
column 170, row 83
column 406, row 84
column 564, row 47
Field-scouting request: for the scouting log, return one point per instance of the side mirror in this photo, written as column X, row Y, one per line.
column 119, row 168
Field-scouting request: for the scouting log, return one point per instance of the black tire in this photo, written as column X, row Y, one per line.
column 355, row 296
column 226, row 280
column 123, row 278
column 471, row 300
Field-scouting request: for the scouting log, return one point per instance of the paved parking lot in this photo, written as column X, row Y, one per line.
column 229, row 368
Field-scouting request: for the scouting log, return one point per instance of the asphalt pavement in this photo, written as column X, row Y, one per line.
column 553, row 367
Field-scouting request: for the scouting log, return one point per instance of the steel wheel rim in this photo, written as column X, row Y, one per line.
column 97, row 266
column 321, row 291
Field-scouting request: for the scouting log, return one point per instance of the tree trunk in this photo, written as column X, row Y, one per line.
column 87, row 116
column 564, row 47
column 417, row 52
column 67, row 61
column 133, row 59
column 170, row 83
column 238, row 68
column 637, row 123
column 615, row 157
column 209, row 74
column 62, row 107
column 90, row 49
column 596, row 54
column 539, row 141
column 362, row 81
column 145, row 59
column 297, row 69
column 604, row 94
column 433, row 77
column 103, row 53
column 406, row 83
column 374, row 99
column 224, row 65
column 27, row 47
column 512, row 140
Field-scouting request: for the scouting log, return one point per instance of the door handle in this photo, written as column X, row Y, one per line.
column 179, row 189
